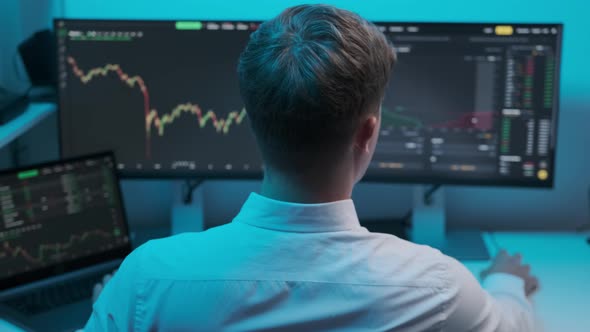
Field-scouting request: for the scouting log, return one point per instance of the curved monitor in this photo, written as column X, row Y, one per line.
column 467, row 103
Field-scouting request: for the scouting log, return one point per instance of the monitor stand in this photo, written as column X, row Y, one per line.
column 188, row 213
column 429, row 227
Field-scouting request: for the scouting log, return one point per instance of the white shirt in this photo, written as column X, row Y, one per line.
column 302, row 267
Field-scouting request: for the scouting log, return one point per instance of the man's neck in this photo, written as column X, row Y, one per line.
column 307, row 189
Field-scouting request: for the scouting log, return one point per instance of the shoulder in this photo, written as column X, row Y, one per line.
column 410, row 263
column 178, row 255
column 392, row 245
column 186, row 240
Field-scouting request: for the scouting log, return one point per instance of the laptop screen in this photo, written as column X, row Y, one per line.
column 58, row 217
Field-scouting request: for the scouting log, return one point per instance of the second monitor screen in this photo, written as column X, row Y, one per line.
column 163, row 95
column 468, row 103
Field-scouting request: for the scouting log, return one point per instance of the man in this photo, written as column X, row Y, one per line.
column 295, row 258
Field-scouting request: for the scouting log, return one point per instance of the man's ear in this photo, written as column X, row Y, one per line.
column 365, row 133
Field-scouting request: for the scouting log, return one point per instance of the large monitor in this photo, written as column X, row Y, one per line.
column 470, row 104
column 58, row 217
column 467, row 103
column 162, row 94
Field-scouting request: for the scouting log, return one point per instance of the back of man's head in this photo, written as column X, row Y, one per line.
column 307, row 77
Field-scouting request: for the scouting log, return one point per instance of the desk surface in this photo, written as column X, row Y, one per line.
column 561, row 261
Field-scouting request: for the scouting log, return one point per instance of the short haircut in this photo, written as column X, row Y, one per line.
column 308, row 76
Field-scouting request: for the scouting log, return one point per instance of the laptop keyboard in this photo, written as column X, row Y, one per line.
column 55, row 295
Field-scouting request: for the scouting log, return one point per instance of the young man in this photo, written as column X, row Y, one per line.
column 295, row 258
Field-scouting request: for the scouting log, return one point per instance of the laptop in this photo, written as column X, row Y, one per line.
column 62, row 227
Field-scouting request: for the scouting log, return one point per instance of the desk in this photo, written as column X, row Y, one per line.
column 560, row 260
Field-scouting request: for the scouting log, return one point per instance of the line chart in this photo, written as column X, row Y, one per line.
column 220, row 125
column 396, row 119
column 480, row 120
column 51, row 247
column 151, row 115
column 477, row 120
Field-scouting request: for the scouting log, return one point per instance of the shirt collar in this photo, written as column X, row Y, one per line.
column 263, row 212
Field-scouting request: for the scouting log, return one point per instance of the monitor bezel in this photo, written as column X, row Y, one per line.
column 372, row 175
column 79, row 263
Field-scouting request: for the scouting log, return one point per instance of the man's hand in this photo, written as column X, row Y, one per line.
column 504, row 263
column 99, row 287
